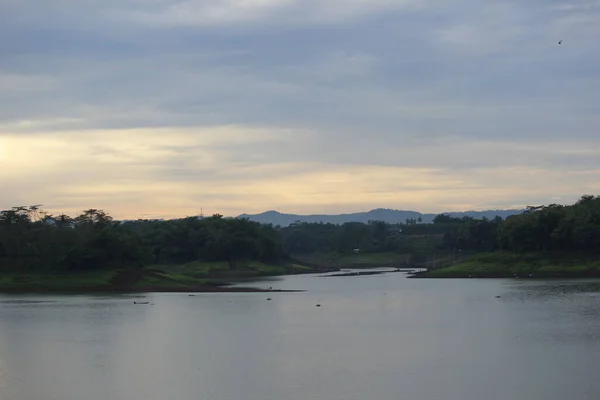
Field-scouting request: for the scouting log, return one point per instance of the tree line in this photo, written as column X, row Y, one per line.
column 32, row 238
column 554, row 228
column 551, row 228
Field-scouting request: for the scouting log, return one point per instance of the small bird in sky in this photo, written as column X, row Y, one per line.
column 560, row 42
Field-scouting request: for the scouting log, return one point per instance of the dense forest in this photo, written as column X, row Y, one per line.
column 32, row 238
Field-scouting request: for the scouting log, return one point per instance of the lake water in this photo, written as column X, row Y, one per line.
column 377, row 337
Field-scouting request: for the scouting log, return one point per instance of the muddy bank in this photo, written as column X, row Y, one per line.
column 211, row 289
column 142, row 289
column 125, row 281
column 440, row 274
column 362, row 273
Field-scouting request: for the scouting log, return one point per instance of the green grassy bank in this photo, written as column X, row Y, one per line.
column 193, row 277
column 531, row 265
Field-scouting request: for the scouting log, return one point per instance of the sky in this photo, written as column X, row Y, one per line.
column 168, row 108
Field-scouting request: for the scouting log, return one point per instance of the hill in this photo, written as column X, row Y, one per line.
column 379, row 214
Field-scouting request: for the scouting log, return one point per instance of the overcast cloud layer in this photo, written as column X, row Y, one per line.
column 163, row 107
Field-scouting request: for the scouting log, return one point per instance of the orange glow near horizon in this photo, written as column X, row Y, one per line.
column 169, row 173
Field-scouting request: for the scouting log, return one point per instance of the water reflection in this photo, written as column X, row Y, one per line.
column 556, row 289
column 378, row 337
column 22, row 301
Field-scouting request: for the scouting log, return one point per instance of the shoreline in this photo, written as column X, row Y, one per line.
column 505, row 265
column 133, row 280
column 145, row 289
column 533, row 276
column 366, row 273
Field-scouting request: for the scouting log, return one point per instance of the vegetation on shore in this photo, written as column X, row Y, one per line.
column 93, row 252
column 511, row 265
column 195, row 277
column 546, row 241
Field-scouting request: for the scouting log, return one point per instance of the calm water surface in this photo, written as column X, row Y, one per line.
column 375, row 337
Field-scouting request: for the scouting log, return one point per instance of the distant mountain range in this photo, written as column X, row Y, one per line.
column 379, row 214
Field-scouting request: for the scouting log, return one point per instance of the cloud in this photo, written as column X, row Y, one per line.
column 271, row 12
column 164, row 172
column 248, row 105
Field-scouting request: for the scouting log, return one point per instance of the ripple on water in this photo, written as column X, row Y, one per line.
column 26, row 301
